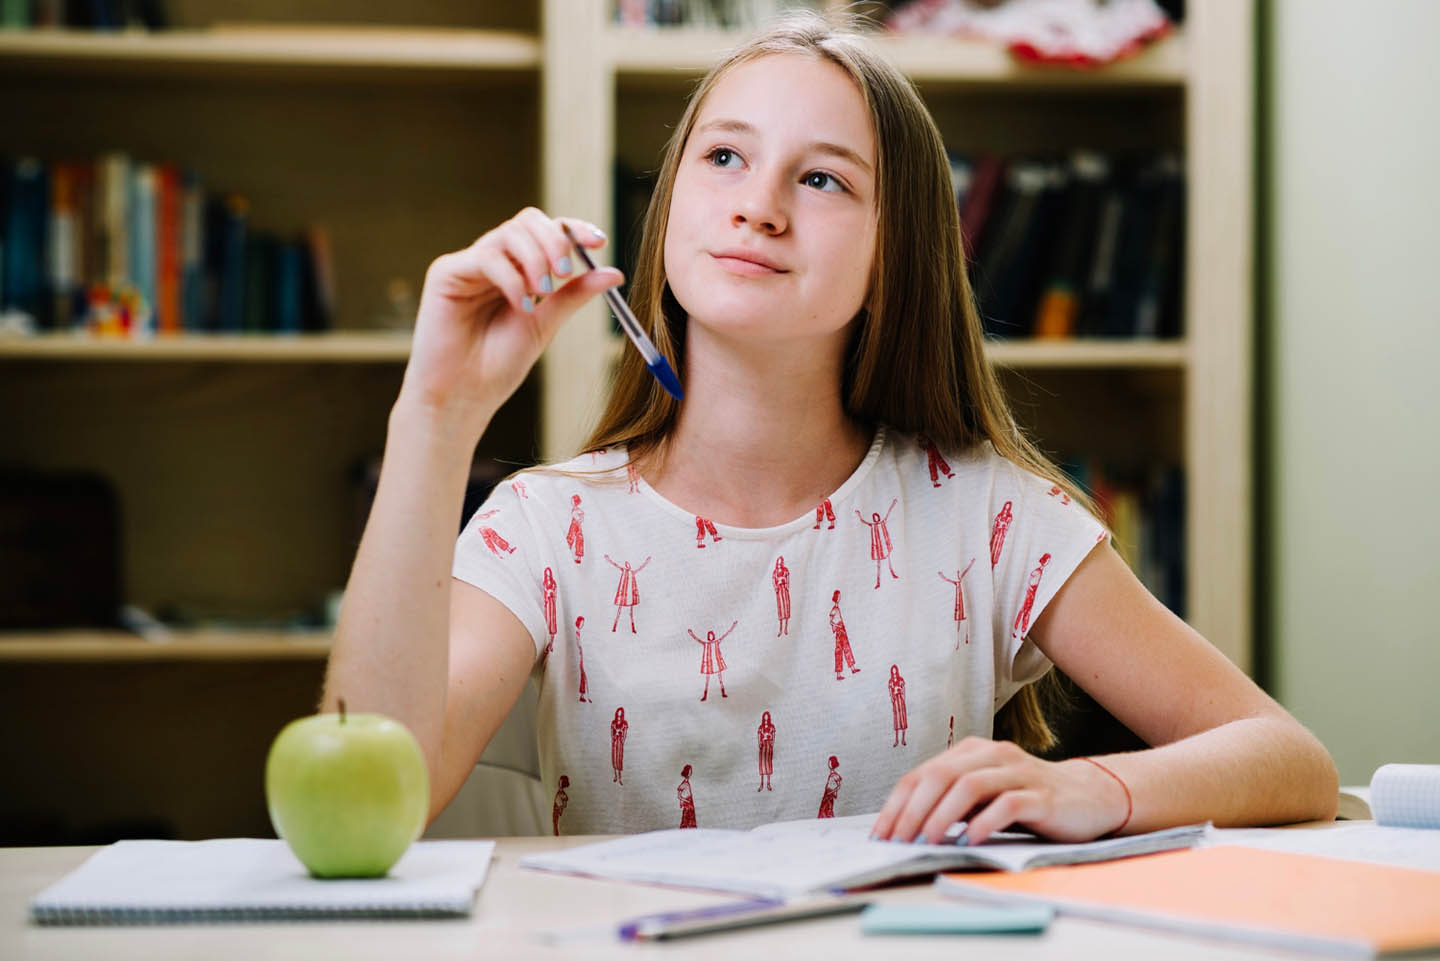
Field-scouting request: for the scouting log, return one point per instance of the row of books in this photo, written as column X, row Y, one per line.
column 119, row 246
column 1087, row 245
column 84, row 14
column 1145, row 510
column 713, row 14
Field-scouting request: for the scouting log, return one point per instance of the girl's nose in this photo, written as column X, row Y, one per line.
column 758, row 203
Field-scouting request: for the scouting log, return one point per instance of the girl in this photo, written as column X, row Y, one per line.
column 832, row 790
column 765, row 737
column 801, row 265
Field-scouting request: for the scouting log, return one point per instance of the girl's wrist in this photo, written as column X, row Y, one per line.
column 459, row 427
column 1111, row 786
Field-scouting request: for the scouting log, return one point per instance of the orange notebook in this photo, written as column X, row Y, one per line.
column 1297, row 901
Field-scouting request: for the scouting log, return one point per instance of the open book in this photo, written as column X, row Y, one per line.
column 794, row 858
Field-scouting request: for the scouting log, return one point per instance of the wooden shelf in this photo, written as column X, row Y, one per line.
column 284, row 46
column 98, row 645
column 332, row 347
column 1054, row 354
column 1088, row 353
column 684, row 53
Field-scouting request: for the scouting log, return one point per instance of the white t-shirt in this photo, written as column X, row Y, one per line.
column 696, row 673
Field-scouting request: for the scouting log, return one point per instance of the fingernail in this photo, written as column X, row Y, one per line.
column 600, row 234
column 564, row 267
column 546, row 285
column 527, row 304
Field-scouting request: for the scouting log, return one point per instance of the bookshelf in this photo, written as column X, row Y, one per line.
column 230, row 453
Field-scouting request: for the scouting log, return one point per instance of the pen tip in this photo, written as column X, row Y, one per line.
column 663, row 373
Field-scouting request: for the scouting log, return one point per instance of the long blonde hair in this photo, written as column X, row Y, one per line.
column 915, row 361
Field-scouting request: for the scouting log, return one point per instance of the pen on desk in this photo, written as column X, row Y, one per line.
column 738, row 914
column 655, row 360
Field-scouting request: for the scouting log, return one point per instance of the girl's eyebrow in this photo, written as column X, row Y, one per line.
column 834, row 149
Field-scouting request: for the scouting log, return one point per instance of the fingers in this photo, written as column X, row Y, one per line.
column 1007, row 809
column 946, row 788
column 526, row 259
column 965, row 794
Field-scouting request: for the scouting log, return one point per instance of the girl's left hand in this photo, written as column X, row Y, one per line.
column 994, row 784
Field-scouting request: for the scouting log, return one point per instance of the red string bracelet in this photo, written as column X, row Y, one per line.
column 1129, row 805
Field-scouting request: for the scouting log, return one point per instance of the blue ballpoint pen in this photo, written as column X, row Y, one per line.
column 655, row 360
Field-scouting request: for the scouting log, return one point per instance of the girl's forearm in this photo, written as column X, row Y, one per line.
column 1250, row 772
column 391, row 649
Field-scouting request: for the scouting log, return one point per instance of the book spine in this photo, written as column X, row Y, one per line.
column 167, row 250
column 143, row 241
column 192, row 252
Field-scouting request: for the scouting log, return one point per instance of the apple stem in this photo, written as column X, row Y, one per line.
column 342, row 710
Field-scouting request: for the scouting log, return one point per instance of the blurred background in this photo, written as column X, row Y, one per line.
column 1199, row 236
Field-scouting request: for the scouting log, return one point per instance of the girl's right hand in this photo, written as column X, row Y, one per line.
column 475, row 340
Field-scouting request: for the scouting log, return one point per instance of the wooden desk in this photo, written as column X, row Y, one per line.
column 515, row 904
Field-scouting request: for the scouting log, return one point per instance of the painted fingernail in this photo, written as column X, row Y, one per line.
column 564, row 267
column 599, row 234
column 527, row 304
column 546, row 284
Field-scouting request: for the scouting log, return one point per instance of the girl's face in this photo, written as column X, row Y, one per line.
column 780, row 166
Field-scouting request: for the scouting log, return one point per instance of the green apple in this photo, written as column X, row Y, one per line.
column 348, row 793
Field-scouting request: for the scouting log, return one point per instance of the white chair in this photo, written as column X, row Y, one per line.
column 503, row 796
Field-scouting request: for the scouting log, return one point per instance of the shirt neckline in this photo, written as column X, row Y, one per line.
column 803, row 521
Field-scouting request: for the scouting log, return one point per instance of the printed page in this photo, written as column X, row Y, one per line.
column 771, row 863
column 1006, row 850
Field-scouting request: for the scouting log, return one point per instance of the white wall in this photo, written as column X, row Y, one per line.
column 1353, row 342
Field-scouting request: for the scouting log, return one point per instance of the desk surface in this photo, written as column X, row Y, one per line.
column 515, row 905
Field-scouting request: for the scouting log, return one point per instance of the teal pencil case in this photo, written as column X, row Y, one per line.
column 953, row 919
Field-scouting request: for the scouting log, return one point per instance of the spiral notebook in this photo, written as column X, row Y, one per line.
column 250, row 879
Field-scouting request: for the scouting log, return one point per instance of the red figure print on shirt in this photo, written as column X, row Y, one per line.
column 584, row 681
column 765, row 738
column 561, row 800
column 1055, row 491
column 711, row 660
column 959, row 611
column 548, row 585
column 632, row 474
column 1022, row 617
column 842, row 639
column 897, row 705
column 704, row 525
column 951, row 739
column 492, row 537
column 832, row 790
column 880, row 546
column 575, row 536
column 997, row 533
column 824, row 512
column 687, row 799
column 627, row 592
column 619, row 729
column 937, row 462
column 518, row 486
column 780, row 577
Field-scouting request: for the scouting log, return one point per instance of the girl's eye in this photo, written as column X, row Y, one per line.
column 812, row 175
column 719, row 152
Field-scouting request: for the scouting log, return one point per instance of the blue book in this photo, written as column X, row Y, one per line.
column 25, row 230
column 289, row 306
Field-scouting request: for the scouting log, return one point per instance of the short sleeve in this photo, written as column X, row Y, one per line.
column 1039, row 535
column 497, row 552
